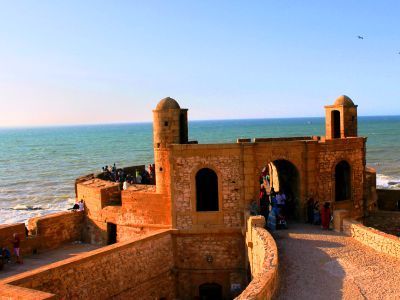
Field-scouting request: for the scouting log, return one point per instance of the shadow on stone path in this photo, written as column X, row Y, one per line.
column 317, row 264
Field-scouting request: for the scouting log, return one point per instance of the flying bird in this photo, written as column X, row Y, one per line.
column 360, row 37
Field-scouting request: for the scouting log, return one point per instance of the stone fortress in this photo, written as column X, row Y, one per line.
column 191, row 236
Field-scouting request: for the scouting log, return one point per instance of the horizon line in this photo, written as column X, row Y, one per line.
column 150, row 121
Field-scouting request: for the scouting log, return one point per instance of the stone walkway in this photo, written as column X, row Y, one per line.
column 45, row 258
column 317, row 264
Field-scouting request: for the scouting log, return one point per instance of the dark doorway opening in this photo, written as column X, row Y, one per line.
column 111, row 233
column 206, row 190
column 210, row 291
column 342, row 181
column 287, row 180
column 336, row 124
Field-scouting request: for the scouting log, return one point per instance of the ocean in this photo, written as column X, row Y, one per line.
column 38, row 166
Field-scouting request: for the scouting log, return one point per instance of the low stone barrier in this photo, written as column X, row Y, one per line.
column 377, row 240
column 136, row 269
column 386, row 221
column 46, row 232
column 263, row 259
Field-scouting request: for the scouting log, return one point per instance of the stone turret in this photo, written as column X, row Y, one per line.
column 170, row 126
column 341, row 118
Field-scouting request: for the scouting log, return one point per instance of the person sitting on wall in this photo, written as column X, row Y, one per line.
column 76, row 206
column 16, row 246
column 125, row 185
column 145, row 177
column 81, row 205
column 5, row 254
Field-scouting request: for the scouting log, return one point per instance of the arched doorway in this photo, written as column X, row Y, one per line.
column 210, row 291
column 342, row 181
column 285, row 177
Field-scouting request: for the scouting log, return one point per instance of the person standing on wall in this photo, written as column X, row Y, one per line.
column 16, row 246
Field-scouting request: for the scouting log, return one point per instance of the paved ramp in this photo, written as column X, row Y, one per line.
column 318, row 264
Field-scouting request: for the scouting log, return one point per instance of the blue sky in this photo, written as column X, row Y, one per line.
column 74, row 62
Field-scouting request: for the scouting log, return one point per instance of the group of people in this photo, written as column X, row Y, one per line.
column 145, row 176
column 273, row 206
column 276, row 207
column 5, row 255
column 318, row 216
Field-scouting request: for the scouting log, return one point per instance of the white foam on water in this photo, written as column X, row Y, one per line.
column 387, row 182
column 20, row 213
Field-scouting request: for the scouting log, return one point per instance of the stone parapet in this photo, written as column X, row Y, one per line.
column 263, row 258
column 377, row 240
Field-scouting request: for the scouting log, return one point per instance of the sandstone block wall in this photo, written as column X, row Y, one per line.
column 11, row 292
column 331, row 152
column 387, row 199
column 46, row 233
column 373, row 238
column 209, row 257
column 386, row 221
column 263, row 258
column 145, row 208
column 225, row 161
column 57, row 229
column 123, row 269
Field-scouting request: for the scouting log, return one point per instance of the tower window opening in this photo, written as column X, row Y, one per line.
column 166, row 123
column 336, row 124
column 342, row 181
column 206, row 190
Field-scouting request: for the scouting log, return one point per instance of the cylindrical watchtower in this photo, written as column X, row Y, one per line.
column 170, row 126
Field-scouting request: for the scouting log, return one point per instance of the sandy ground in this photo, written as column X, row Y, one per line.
column 317, row 264
column 45, row 258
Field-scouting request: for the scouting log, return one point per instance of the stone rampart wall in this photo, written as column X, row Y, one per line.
column 386, row 221
column 11, row 292
column 263, row 259
column 145, row 208
column 57, row 229
column 387, row 199
column 378, row 240
column 139, row 267
column 46, row 233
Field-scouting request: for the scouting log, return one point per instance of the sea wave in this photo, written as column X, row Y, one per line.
column 387, row 182
column 21, row 213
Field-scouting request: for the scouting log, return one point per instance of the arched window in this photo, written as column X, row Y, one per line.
column 206, row 190
column 336, row 124
column 342, row 181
